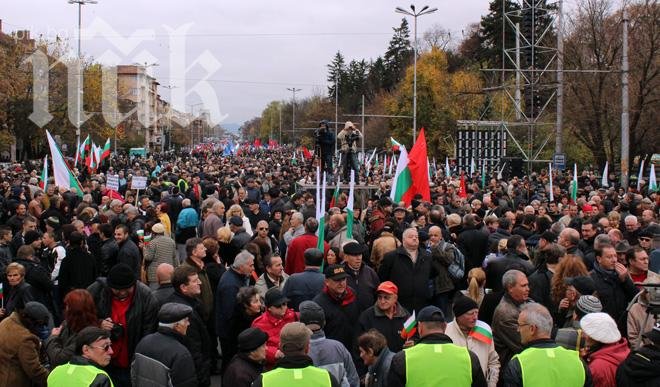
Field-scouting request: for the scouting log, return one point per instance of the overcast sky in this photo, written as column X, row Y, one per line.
column 254, row 49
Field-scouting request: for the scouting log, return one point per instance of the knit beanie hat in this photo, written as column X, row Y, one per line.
column 463, row 304
column 589, row 304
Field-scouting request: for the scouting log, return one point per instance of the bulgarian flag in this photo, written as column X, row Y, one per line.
column 105, row 153
column 409, row 327
column 61, row 172
column 83, row 149
column 447, row 170
column 552, row 195
column 395, row 144
column 44, row 175
column 483, row 174
column 412, row 173
column 640, row 175
column 349, row 206
column 653, row 185
column 482, row 332
column 77, row 152
column 293, row 160
column 98, row 151
column 574, row 184
column 320, row 210
column 335, row 196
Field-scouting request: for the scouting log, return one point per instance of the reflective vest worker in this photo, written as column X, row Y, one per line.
column 294, row 367
column 435, row 360
column 93, row 351
column 543, row 362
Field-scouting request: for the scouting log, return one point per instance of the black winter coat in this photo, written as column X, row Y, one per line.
column 78, row 270
column 141, row 316
column 168, row 347
column 241, row 371
column 497, row 267
column 540, row 285
column 130, row 255
column 339, row 320
column 364, row 282
column 473, row 242
column 412, row 280
column 391, row 329
column 198, row 340
column 640, row 369
column 614, row 294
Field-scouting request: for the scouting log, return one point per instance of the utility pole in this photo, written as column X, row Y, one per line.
column 625, row 130
column 336, row 107
column 80, row 75
column 560, row 78
column 293, row 112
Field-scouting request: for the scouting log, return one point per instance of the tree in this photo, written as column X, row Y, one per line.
column 592, row 105
column 398, row 55
column 336, row 74
column 437, row 36
column 491, row 40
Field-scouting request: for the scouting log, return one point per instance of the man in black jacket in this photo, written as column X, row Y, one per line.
column 431, row 326
column 187, row 288
column 614, row 287
column 78, row 269
column 128, row 251
column 517, row 258
column 409, row 267
column 109, row 248
column 128, row 310
column 247, row 364
column 386, row 316
column 473, row 241
column 162, row 356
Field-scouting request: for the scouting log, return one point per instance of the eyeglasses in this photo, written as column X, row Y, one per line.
column 263, row 228
column 105, row 348
column 645, row 239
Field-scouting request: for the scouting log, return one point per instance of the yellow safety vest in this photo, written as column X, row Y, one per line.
column 551, row 367
column 432, row 365
column 309, row 376
column 73, row 375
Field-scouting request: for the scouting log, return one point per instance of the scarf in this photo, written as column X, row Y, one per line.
column 346, row 299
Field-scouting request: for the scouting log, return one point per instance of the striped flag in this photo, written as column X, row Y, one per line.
column 653, row 185
column 603, row 179
column 483, row 174
column 482, row 332
column 44, row 175
column 349, row 206
column 320, row 215
column 447, row 170
column 335, row 195
column 574, row 184
column 552, row 195
column 63, row 176
column 640, row 175
column 409, row 327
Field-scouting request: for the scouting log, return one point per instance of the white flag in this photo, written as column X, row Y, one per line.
column 603, row 180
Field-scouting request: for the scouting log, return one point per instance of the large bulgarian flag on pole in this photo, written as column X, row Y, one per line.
column 349, row 206
column 412, row 173
column 320, row 210
column 482, row 332
column 61, row 172
column 335, row 195
column 105, row 153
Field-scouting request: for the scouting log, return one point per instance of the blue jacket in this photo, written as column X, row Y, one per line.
column 303, row 286
column 225, row 300
column 187, row 218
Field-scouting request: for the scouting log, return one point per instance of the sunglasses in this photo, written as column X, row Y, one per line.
column 105, row 348
column 645, row 239
column 263, row 229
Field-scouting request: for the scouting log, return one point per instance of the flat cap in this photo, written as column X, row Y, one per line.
column 251, row 339
column 172, row 312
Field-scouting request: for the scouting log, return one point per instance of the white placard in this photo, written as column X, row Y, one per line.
column 139, row 182
column 113, row 182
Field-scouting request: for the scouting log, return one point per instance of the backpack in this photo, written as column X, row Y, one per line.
column 457, row 267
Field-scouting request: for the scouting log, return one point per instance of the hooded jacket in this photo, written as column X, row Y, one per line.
column 604, row 362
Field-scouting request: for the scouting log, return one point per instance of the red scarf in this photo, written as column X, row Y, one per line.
column 346, row 299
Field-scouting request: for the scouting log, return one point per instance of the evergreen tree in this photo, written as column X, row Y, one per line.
column 398, row 56
column 376, row 77
column 356, row 85
column 336, row 72
column 491, row 33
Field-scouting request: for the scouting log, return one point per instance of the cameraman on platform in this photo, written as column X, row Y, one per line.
column 348, row 138
column 325, row 142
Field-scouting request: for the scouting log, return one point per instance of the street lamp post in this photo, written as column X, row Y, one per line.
column 293, row 114
column 79, row 91
column 424, row 11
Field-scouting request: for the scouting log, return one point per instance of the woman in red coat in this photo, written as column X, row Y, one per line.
column 607, row 349
column 277, row 315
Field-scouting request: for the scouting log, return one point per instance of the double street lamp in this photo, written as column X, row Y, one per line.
column 424, row 11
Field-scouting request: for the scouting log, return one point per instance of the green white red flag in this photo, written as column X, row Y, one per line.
column 44, row 175
column 61, row 172
column 349, row 206
column 105, row 153
column 653, row 184
column 412, row 174
column 335, row 195
column 409, row 327
column 574, row 184
column 482, row 332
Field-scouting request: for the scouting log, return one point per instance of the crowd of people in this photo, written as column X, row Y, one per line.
column 214, row 272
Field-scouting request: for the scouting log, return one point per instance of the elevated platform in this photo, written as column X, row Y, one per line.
column 342, row 187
